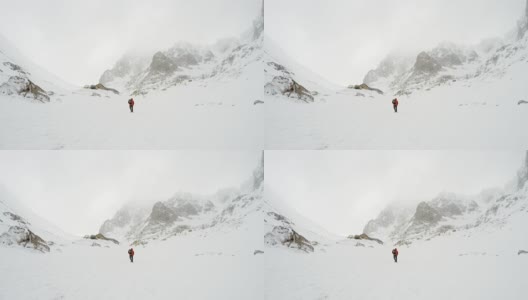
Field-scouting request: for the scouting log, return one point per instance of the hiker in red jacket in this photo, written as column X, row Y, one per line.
column 131, row 104
column 131, row 254
column 395, row 105
column 395, row 254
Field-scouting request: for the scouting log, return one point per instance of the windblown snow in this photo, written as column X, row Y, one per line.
column 468, row 97
column 189, row 247
column 451, row 247
column 187, row 96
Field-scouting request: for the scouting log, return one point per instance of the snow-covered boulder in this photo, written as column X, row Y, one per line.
column 17, row 85
column 101, row 237
column 281, row 85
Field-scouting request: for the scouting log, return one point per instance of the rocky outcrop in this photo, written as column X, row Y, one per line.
column 364, row 236
column 281, row 235
column 425, row 64
column 161, row 213
column 100, row 86
column 18, row 235
column 522, row 252
column 17, row 85
column 281, row 85
column 425, row 214
column 522, row 24
column 448, row 205
column 364, row 86
column 522, row 174
column 100, row 236
column 162, row 64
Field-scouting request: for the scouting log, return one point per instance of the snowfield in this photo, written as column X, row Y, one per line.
column 450, row 268
column 217, row 254
column 217, row 116
column 345, row 122
column 450, row 248
column 450, row 97
column 186, row 97
column 220, row 267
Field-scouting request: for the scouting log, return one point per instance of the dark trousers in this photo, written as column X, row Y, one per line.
column 395, row 108
column 131, row 108
column 396, row 258
column 131, row 258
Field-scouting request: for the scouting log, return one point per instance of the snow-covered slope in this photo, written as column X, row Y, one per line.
column 19, row 77
column 450, row 64
column 184, row 213
column 188, row 96
column 455, row 247
column 183, row 63
column 450, row 213
column 217, row 254
column 463, row 97
column 21, row 228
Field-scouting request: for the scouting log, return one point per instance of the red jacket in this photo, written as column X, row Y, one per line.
column 395, row 102
column 131, row 252
column 395, row 252
column 131, row 102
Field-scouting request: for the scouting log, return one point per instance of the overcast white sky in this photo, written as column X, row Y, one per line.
column 77, row 39
column 78, row 190
column 342, row 190
column 342, row 40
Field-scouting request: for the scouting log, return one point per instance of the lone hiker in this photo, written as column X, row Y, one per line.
column 131, row 104
column 395, row 254
column 395, row 104
column 131, row 254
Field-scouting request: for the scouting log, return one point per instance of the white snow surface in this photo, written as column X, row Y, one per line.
column 216, row 111
column 211, row 262
column 478, row 108
column 481, row 261
column 221, row 266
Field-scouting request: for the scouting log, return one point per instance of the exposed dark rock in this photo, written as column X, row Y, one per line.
column 100, row 86
column 522, row 175
column 31, row 240
column 364, row 236
column 426, row 64
column 522, row 252
column 258, row 102
column 522, row 102
column 162, row 214
column 364, row 86
column 25, row 238
column 288, row 87
column 14, row 217
column 298, row 241
column 278, row 217
column 100, row 236
column 162, row 64
column 279, row 67
column 24, row 87
column 14, row 67
column 258, row 252
column 425, row 214
column 289, row 238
